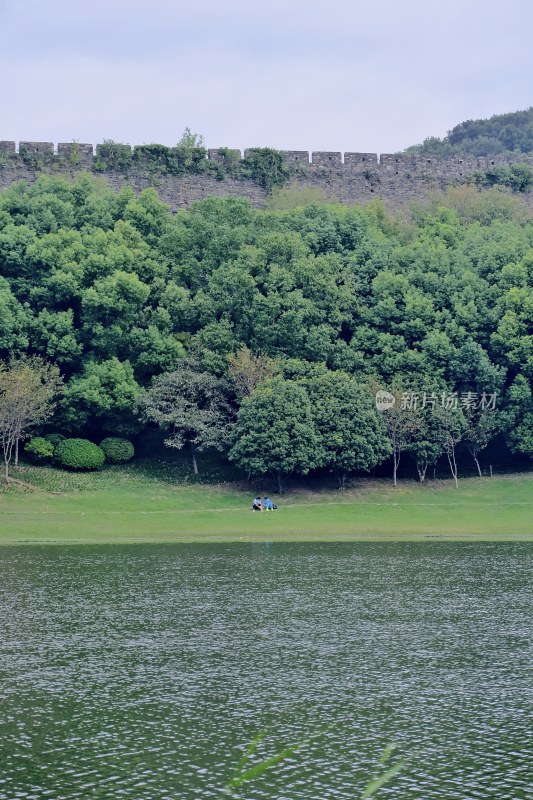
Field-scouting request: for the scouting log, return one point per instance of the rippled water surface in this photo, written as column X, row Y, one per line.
column 138, row 672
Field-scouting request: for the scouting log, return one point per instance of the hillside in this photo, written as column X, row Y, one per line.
column 261, row 317
column 501, row 134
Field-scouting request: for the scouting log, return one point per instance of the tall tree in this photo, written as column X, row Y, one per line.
column 275, row 431
column 28, row 389
column 193, row 408
column 352, row 434
column 427, row 446
column 402, row 423
column 518, row 416
column 482, row 426
column 453, row 427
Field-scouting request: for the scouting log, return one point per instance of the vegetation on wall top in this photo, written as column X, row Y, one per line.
column 262, row 165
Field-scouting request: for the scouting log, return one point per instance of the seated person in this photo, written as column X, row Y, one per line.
column 257, row 505
column 268, row 505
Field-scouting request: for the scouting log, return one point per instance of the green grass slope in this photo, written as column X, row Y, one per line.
column 129, row 505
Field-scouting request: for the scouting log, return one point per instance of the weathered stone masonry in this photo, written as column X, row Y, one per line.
column 348, row 177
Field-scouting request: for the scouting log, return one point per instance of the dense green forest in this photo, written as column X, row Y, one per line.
column 502, row 134
column 265, row 334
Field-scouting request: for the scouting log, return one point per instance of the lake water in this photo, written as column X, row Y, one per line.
column 140, row 672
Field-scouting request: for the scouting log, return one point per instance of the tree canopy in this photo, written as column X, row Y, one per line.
column 116, row 292
column 501, row 134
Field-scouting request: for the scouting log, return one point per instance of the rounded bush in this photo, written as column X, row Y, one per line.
column 39, row 449
column 79, row 454
column 54, row 439
column 117, row 450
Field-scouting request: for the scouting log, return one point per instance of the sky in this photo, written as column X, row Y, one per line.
column 335, row 75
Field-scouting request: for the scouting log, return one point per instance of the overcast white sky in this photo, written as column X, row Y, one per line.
column 336, row 75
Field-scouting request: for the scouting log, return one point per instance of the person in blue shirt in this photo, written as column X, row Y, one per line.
column 268, row 505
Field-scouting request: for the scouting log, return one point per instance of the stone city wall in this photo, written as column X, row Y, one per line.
column 346, row 177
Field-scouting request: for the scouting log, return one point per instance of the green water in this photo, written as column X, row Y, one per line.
column 138, row 672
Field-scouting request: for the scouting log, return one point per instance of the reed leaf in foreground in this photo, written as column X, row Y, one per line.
column 244, row 775
column 376, row 783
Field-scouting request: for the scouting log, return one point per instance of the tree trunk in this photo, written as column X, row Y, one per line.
column 477, row 465
column 453, row 466
column 422, row 472
column 7, row 459
column 342, row 481
column 280, row 484
column 396, row 460
column 7, row 447
column 194, row 464
column 17, row 453
column 455, row 469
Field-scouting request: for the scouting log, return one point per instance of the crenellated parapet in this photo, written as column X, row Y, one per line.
column 345, row 176
column 387, row 162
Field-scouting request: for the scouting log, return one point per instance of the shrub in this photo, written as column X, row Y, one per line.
column 39, row 449
column 518, row 177
column 266, row 167
column 79, row 454
column 54, row 439
column 157, row 158
column 117, row 450
column 112, row 155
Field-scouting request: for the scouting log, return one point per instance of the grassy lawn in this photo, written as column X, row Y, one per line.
column 137, row 504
